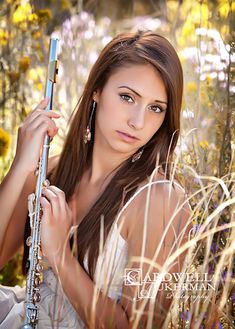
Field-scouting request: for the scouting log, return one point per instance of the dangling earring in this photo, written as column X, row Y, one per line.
column 87, row 134
column 137, row 155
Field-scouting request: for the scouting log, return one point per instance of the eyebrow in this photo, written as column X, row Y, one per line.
column 135, row 92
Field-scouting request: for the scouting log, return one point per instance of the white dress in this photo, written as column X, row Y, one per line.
column 55, row 309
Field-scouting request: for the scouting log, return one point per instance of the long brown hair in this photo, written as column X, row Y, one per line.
column 127, row 48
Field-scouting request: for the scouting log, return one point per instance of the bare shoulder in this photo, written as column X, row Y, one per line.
column 155, row 203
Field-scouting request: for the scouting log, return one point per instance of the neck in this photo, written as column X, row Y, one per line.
column 104, row 162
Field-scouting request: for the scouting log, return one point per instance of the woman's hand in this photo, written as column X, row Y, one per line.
column 55, row 225
column 31, row 135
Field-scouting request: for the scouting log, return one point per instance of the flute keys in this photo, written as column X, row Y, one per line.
column 37, row 281
column 29, row 241
column 46, row 183
column 36, row 297
column 39, row 267
column 40, row 212
column 36, row 172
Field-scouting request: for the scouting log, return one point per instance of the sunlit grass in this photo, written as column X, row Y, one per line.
column 210, row 249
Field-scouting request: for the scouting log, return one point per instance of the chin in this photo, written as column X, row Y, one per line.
column 122, row 149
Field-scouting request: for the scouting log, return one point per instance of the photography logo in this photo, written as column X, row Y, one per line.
column 180, row 285
column 133, row 277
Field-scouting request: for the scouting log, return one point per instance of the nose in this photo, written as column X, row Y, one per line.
column 136, row 121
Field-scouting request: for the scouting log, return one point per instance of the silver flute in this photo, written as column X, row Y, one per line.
column 35, row 267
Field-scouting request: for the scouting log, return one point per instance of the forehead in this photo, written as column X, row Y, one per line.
column 144, row 79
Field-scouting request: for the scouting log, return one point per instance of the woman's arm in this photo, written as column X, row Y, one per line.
column 20, row 180
column 14, row 212
column 10, row 190
column 77, row 285
column 12, row 231
column 80, row 290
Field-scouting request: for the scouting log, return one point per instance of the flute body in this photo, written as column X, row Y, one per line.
column 34, row 266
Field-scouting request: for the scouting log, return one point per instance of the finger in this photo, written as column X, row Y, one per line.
column 57, row 191
column 60, row 195
column 46, row 208
column 54, row 202
column 49, row 113
column 45, row 127
column 43, row 104
column 39, row 129
column 39, row 113
column 36, row 121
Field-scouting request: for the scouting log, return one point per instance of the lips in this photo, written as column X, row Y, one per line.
column 127, row 136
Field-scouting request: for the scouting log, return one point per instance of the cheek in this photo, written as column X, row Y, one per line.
column 109, row 112
column 104, row 117
column 154, row 125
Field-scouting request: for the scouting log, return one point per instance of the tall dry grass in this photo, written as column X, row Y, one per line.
column 205, row 297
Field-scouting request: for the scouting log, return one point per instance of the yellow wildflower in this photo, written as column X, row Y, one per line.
column 35, row 74
column 224, row 9
column 39, row 86
column 36, row 35
column 21, row 14
column 33, row 18
column 24, row 63
column 4, row 36
column 198, row 213
column 208, row 79
column 204, row 144
column 191, row 86
column 23, row 26
column 5, row 140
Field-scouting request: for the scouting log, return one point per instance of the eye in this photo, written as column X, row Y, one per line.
column 156, row 109
column 126, row 98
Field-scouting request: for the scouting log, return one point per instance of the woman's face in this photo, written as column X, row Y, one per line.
column 133, row 102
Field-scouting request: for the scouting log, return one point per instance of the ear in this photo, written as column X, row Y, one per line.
column 96, row 96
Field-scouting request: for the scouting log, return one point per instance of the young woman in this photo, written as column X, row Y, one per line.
column 121, row 138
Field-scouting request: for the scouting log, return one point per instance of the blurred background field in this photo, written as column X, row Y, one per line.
column 203, row 33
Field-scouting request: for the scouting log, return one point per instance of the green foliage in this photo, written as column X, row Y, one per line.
column 11, row 275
